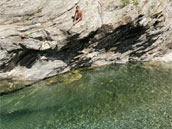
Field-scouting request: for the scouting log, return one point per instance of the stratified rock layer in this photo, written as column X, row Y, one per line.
column 38, row 39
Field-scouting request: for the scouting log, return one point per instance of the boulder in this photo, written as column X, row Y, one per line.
column 38, row 39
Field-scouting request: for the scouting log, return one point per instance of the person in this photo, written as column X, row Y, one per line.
column 78, row 15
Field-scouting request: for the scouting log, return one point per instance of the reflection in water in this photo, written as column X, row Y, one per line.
column 125, row 97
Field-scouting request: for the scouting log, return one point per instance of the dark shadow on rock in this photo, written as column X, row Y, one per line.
column 122, row 38
column 150, row 39
column 125, row 38
column 23, row 58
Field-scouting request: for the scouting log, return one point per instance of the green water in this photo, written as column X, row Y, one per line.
column 133, row 96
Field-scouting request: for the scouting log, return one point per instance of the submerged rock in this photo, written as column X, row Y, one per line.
column 38, row 39
column 9, row 85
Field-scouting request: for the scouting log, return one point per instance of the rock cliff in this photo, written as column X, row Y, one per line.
column 38, row 39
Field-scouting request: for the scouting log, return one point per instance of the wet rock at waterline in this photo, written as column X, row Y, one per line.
column 38, row 40
column 9, row 85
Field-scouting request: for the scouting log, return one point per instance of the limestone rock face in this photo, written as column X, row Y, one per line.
column 38, row 39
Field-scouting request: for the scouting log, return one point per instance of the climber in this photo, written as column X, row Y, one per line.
column 78, row 15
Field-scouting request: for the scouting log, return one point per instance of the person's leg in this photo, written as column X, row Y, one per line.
column 77, row 20
column 76, row 17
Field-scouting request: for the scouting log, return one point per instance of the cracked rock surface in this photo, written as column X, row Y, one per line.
column 38, row 39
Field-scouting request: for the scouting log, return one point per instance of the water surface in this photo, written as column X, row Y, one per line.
column 132, row 96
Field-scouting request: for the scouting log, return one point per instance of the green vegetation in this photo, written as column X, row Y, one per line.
column 87, row 3
column 15, row 21
column 126, row 2
column 135, row 2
